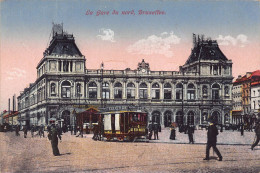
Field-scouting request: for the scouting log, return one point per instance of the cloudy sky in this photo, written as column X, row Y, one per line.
column 121, row 41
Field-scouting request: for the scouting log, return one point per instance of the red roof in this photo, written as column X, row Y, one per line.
column 255, row 83
column 255, row 74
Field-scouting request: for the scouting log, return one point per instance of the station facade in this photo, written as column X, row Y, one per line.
column 200, row 89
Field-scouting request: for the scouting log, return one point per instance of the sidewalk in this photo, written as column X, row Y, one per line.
column 227, row 137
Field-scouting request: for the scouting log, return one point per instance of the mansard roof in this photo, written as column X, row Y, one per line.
column 63, row 44
column 206, row 50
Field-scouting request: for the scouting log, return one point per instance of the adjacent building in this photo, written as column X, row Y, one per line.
column 245, row 98
column 200, row 89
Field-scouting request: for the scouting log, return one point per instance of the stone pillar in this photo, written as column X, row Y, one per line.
column 161, row 91
column 149, row 90
column 124, row 90
column 61, row 66
column 137, row 90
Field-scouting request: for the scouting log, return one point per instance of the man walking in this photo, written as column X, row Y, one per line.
column 156, row 130
column 257, row 133
column 212, row 140
column 53, row 136
column 190, row 134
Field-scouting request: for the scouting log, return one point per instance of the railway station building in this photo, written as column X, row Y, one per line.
column 64, row 86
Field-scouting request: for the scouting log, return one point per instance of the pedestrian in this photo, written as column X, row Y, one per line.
column 212, row 140
column 190, row 134
column 53, row 136
column 32, row 131
column 17, row 129
column 156, row 130
column 25, row 131
column 173, row 133
column 242, row 129
column 257, row 135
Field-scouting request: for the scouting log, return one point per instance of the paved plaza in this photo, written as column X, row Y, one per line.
column 20, row 154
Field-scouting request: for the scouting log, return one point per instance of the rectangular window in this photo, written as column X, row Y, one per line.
column 92, row 93
column 155, row 94
column 143, row 94
column 118, row 93
column 167, row 94
column 130, row 93
column 178, row 95
column 105, row 94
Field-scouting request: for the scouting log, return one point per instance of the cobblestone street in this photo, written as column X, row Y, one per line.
column 20, row 154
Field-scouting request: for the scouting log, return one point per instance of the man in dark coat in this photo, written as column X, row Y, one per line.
column 190, row 134
column 257, row 133
column 242, row 129
column 212, row 140
column 54, row 140
column 156, row 130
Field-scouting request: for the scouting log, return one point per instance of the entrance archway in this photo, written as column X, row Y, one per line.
column 156, row 117
column 215, row 117
column 167, row 118
column 66, row 117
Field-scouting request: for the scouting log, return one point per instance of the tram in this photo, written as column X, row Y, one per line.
column 87, row 120
column 124, row 125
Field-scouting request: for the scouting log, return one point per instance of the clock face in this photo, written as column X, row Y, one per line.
column 143, row 70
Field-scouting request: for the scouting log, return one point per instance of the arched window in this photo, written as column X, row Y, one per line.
column 53, row 89
column 143, row 91
column 226, row 118
column 105, row 91
column 191, row 92
column 167, row 118
column 155, row 91
column 92, row 90
column 179, row 118
column 65, row 89
column 78, row 90
column 204, row 91
column 179, row 90
column 215, row 91
column 167, row 91
column 226, row 91
column 130, row 91
column 156, row 117
column 118, row 90
column 190, row 118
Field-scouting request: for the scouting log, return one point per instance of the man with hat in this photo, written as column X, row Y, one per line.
column 257, row 133
column 53, row 136
column 212, row 139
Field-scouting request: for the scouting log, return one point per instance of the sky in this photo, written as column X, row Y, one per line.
column 123, row 40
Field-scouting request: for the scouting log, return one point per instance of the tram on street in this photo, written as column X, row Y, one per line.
column 124, row 125
column 87, row 120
